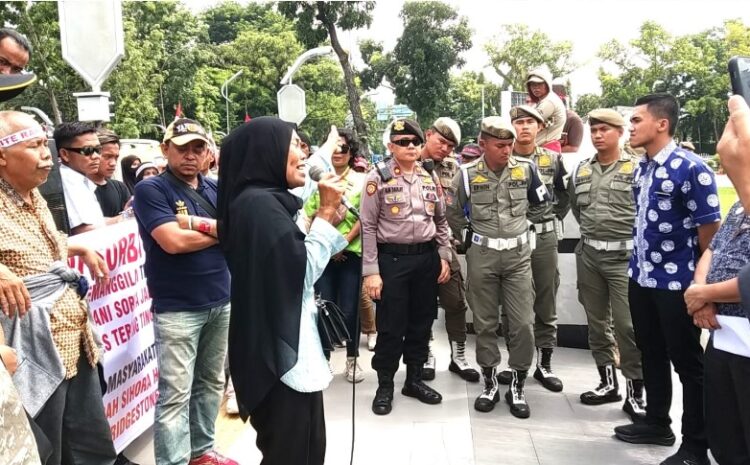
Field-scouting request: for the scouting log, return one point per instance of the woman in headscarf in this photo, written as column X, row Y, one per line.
column 129, row 165
column 275, row 354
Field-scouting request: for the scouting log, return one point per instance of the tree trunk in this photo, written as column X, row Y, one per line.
column 351, row 90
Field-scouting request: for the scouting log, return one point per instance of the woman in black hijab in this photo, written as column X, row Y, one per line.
column 276, row 359
column 129, row 165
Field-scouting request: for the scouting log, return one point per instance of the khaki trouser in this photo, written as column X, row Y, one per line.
column 546, row 281
column 603, row 292
column 488, row 270
column 366, row 313
column 453, row 300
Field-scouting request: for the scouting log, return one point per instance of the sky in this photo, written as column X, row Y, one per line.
column 586, row 23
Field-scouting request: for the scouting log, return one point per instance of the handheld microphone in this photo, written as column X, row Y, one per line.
column 316, row 172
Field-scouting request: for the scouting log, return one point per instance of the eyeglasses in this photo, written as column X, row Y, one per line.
column 85, row 151
column 406, row 142
column 345, row 148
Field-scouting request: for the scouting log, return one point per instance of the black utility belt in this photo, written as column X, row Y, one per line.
column 407, row 249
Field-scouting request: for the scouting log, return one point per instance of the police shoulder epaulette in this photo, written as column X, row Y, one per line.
column 526, row 160
column 470, row 164
column 384, row 171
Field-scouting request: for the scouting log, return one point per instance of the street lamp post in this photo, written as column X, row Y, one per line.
column 225, row 92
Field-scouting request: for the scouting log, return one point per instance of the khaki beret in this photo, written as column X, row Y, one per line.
column 448, row 128
column 525, row 111
column 406, row 127
column 606, row 116
column 498, row 127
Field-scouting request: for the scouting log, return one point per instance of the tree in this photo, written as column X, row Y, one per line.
column 518, row 50
column 588, row 102
column 316, row 21
column 464, row 102
column 431, row 45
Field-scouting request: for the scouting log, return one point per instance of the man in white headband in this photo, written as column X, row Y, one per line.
column 72, row 417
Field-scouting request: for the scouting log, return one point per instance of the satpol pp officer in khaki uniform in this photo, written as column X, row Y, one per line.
column 440, row 140
column 498, row 188
column 602, row 202
column 406, row 254
column 546, row 224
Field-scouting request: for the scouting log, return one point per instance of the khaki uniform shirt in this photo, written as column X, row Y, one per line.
column 497, row 203
column 403, row 210
column 552, row 173
column 29, row 243
column 602, row 198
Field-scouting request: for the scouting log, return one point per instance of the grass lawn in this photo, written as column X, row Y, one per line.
column 727, row 198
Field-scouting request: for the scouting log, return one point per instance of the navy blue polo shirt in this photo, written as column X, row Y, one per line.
column 192, row 281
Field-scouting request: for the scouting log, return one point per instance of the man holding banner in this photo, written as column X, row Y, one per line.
column 57, row 377
column 188, row 280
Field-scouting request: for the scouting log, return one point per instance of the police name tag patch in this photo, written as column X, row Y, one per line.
column 517, row 174
column 372, row 187
column 480, row 187
column 545, row 160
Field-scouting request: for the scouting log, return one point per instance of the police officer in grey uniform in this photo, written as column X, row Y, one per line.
column 498, row 188
column 406, row 254
column 440, row 140
column 602, row 202
column 546, row 224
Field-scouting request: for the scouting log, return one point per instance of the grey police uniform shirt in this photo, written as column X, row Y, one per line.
column 552, row 173
column 602, row 198
column 497, row 202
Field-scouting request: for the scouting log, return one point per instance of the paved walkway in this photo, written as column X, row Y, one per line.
column 561, row 430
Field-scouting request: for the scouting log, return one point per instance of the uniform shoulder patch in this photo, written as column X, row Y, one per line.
column 517, row 173
column 371, row 188
column 627, row 168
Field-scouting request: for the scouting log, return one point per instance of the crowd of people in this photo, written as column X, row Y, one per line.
column 242, row 245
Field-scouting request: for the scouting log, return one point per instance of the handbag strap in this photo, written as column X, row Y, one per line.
column 190, row 192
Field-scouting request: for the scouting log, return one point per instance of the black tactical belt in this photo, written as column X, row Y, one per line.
column 407, row 249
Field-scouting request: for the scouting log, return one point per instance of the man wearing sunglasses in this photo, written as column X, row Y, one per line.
column 406, row 254
column 80, row 154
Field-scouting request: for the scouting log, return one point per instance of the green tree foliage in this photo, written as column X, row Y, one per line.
column 317, row 21
column 693, row 68
column 431, row 45
column 587, row 102
column 464, row 102
column 518, row 49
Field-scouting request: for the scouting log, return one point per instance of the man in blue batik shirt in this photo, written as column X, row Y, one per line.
column 677, row 214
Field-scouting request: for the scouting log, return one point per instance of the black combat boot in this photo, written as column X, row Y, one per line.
column 543, row 372
column 381, row 405
column 459, row 365
column 635, row 404
column 515, row 396
column 608, row 389
column 491, row 393
column 414, row 387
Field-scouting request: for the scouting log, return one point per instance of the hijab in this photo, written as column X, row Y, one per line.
column 128, row 173
column 266, row 254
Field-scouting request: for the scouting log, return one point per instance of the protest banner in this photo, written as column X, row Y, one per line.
column 121, row 315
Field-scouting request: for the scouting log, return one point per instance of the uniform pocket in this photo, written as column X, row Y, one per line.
column 621, row 193
column 519, row 202
column 483, row 205
column 395, row 204
column 583, row 194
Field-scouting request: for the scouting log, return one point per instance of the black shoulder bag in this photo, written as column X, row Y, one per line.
column 187, row 190
column 331, row 325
